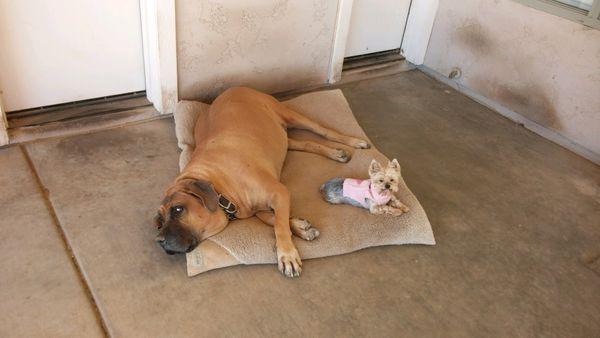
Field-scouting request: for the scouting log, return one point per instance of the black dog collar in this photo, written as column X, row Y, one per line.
column 227, row 206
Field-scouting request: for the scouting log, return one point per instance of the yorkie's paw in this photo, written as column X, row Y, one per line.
column 399, row 205
column 395, row 211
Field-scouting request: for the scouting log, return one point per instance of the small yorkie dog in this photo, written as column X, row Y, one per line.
column 375, row 194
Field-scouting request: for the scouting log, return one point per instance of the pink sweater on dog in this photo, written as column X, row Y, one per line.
column 360, row 190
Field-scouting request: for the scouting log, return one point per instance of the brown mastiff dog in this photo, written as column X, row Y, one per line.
column 234, row 173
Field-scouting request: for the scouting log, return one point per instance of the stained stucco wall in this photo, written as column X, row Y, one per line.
column 270, row 45
column 544, row 67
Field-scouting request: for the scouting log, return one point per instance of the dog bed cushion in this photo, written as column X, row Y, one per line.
column 343, row 228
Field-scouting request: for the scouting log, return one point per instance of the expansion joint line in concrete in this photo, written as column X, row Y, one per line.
column 50, row 207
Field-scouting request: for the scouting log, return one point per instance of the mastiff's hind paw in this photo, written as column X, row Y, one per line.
column 303, row 229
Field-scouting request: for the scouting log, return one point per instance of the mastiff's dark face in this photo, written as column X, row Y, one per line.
column 188, row 214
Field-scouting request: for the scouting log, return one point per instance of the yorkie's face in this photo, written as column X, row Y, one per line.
column 385, row 179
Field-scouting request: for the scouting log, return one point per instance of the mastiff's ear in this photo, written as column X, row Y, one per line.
column 205, row 191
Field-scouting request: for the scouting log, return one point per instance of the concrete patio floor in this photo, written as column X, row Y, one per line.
column 516, row 219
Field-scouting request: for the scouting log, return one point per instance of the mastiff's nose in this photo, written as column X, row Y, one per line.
column 174, row 240
column 387, row 185
column 161, row 240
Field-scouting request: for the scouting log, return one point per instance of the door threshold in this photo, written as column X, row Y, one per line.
column 74, row 110
column 83, row 124
column 372, row 59
column 375, row 70
column 353, row 75
column 79, row 117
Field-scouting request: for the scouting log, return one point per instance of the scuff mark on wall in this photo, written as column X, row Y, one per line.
column 272, row 46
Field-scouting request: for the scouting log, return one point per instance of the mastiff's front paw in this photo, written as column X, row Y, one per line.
column 361, row 144
column 289, row 262
column 341, row 155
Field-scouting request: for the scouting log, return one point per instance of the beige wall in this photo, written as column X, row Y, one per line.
column 541, row 66
column 271, row 45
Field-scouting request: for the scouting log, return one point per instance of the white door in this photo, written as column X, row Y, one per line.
column 57, row 51
column 376, row 26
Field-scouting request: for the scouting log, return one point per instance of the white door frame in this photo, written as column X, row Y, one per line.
column 160, row 48
column 342, row 26
column 3, row 125
column 418, row 29
column 159, row 34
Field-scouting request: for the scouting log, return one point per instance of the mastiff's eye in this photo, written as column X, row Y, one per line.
column 380, row 181
column 177, row 210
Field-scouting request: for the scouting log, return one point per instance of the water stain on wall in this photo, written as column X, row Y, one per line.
column 529, row 100
column 538, row 65
column 472, row 35
column 526, row 97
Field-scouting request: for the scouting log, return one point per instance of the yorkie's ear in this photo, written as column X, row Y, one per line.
column 394, row 165
column 374, row 168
